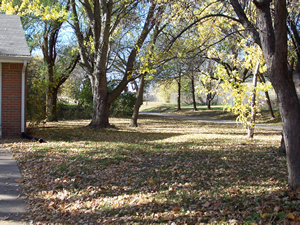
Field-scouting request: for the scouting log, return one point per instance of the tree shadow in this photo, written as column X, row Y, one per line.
column 198, row 182
column 155, row 175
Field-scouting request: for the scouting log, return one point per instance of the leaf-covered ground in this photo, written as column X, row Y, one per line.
column 166, row 171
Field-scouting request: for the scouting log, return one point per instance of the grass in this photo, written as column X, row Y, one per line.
column 165, row 171
column 216, row 112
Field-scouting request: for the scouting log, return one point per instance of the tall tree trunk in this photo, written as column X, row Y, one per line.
column 138, row 103
column 290, row 111
column 295, row 36
column 288, row 101
column 271, row 113
column 51, row 96
column 296, row 79
column 193, row 94
column 250, row 127
column 273, row 42
column 179, row 92
column 269, row 104
column 51, row 105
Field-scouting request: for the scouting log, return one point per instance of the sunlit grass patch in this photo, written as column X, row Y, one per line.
column 216, row 112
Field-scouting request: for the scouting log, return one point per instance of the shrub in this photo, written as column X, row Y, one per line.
column 123, row 105
column 36, row 95
column 67, row 111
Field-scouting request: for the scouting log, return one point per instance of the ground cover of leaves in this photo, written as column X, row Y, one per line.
column 166, row 171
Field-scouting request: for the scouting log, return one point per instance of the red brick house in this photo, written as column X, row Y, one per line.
column 14, row 56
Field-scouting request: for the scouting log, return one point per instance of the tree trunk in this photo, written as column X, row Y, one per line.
column 100, row 112
column 267, row 98
column 193, row 94
column 208, row 103
column 282, row 149
column 290, row 112
column 269, row 104
column 51, row 105
column 288, row 101
column 250, row 127
column 100, row 102
column 209, row 99
column 273, row 42
column 138, row 103
column 296, row 79
column 179, row 92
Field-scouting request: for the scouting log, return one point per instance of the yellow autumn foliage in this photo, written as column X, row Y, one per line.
column 36, row 8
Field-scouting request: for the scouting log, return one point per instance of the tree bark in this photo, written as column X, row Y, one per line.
column 267, row 98
column 208, row 102
column 51, row 106
column 273, row 41
column 289, row 104
column 210, row 96
column 138, row 103
column 296, row 79
column 293, row 31
column 50, row 41
column 250, row 127
column 193, row 93
column 100, row 117
column 282, row 82
column 179, row 92
column 269, row 104
column 100, row 112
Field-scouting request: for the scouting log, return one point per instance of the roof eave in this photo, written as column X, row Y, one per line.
column 14, row 59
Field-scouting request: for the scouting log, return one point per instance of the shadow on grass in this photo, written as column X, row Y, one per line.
column 187, row 210
column 186, row 182
column 203, row 183
column 72, row 132
column 154, row 174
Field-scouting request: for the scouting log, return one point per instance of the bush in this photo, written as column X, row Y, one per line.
column 67, row 111
column 123, row 105
column 36, row 94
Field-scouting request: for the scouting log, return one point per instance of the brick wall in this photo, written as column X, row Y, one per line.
column 11, row 99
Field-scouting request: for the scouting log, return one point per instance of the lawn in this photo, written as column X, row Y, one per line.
column 216, row 112
column 166, row 171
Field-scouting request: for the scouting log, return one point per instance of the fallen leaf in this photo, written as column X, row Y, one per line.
column 291, row 216
column 277, row 209
column 176, row 209
column 234, row 190
column 52, row 204
column 40, row 218
column 217, row 205
column 206, row 204
column 19, row 180
column 263, row 215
